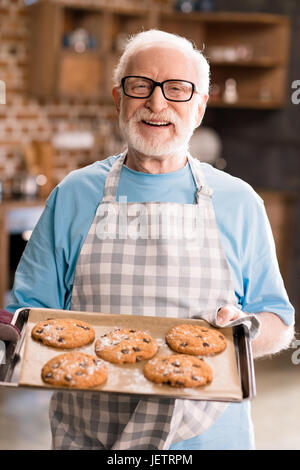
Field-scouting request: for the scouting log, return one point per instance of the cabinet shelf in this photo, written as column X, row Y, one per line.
column 227, row 17
column 259, row 63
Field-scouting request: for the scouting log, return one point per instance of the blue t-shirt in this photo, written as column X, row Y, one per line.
column 45, row 274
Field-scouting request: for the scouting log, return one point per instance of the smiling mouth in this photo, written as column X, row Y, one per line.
column 157, row 123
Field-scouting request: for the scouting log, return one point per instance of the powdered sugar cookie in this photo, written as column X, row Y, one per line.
column 178, row 370
column 195, row 339
column 126, row 346
column 64, row 333
column 75, row 369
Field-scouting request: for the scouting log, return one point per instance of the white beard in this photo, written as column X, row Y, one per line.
column 155, row 147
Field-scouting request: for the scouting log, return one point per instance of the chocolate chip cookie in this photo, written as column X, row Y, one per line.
column 75, row 370
column 64, row 333
column 196, row 339
column 126, row 346
column 178, row 370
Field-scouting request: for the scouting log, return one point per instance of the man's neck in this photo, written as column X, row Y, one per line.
column 154, row 165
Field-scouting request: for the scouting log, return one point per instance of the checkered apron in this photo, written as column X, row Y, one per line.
column 145, row 265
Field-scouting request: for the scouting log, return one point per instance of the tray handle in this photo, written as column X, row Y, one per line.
column 245, row 361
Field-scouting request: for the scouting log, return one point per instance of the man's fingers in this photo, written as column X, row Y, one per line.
column 227, row 314
column 223, row 317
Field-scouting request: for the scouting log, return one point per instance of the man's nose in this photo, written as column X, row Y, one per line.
column 156, row 102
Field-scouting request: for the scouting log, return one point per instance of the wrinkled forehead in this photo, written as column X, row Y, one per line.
column 162, row 62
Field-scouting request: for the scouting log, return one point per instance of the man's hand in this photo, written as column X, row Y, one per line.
column 274, row 335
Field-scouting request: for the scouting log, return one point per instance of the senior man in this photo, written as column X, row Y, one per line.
column 226, row 273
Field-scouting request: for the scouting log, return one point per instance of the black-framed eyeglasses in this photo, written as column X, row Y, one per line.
column 135, row 86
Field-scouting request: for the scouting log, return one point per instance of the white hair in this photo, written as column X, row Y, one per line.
column 154, row 36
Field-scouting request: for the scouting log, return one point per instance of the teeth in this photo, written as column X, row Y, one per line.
column 157, row 123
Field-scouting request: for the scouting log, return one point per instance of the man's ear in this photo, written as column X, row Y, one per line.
column 201, row 110
column 117, row 98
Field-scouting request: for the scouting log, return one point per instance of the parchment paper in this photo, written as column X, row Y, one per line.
column 129, row 379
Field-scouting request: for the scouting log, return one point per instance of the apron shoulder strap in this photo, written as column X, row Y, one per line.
column 112, row 179
column 202, row 187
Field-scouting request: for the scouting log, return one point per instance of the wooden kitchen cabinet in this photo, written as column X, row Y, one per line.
column 56, row 69
column 251, row 49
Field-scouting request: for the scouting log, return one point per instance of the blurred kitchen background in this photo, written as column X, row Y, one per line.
column 57, row 115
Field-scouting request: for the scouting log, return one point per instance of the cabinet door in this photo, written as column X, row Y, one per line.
column 45, row 26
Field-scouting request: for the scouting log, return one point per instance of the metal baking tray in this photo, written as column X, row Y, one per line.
column 11, row 359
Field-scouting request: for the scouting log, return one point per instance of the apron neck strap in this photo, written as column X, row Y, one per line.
column 202, row 188
column 112, row 179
